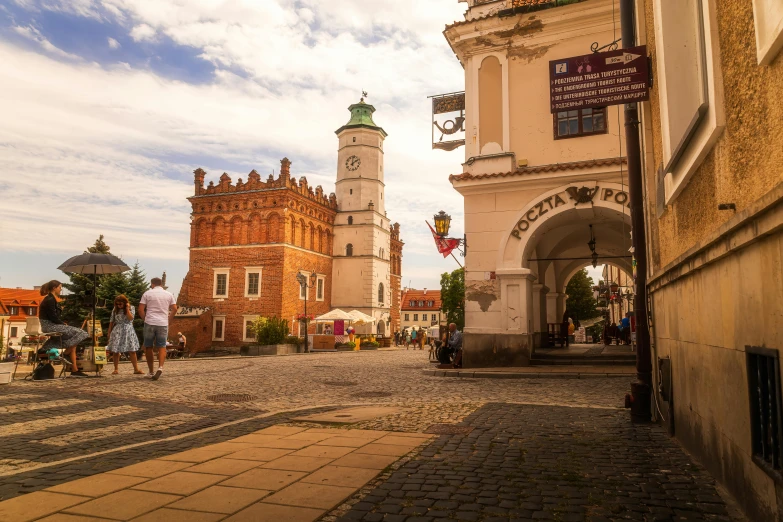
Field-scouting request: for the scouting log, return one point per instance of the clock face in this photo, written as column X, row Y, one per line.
column 352, row 163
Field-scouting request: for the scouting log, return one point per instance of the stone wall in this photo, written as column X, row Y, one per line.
column 716, row 275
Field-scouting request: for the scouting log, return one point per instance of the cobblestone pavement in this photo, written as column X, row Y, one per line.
column 519, row 462
column 541, row 433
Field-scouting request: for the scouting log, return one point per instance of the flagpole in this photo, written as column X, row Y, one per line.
column 455, row 259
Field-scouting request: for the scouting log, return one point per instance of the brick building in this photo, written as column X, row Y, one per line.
column 16, row 305
column 396, row 276
column 421, row 308
column 250, row 239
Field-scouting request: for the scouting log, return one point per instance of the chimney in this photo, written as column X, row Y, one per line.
column 425, row 291
column 285, row 168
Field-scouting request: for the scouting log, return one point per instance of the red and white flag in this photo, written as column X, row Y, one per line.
column 445, row 245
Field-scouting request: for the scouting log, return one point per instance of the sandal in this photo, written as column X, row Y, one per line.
column 115, row 372
column 138, row 372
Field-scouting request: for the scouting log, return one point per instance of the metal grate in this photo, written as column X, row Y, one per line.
column 231, row 397
column 765, row 407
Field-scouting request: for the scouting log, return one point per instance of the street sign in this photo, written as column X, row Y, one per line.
column 599, row 79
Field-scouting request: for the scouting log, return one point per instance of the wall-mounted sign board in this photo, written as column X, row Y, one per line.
column 599, row 79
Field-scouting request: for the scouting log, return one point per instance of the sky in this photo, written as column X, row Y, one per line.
column 109, row 105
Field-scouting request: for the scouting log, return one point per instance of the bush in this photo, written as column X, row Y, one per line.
column 292, row 339
column 349, row 344
column 270, row 330
column 370, row 344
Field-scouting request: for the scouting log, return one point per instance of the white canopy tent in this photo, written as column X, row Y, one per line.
column 335, row 315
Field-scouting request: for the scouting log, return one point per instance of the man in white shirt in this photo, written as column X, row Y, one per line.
column 154, row 308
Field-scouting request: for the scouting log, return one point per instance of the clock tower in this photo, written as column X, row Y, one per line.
column 362, row 232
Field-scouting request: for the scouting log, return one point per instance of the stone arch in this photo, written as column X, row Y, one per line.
column 254, row 229
column 293, row 230
column 557, row 208
column 490, row 79
column 273, row 228
column 220, row 232
column 202, row 236
column 236, row 231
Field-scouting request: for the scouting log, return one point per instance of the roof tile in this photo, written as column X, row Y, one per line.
column 537, row 169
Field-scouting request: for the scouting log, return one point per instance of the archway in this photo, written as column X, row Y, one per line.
column 549, row 242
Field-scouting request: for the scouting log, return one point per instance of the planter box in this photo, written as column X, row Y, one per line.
column 7, row 372
column 272, row 349
column 363, row 347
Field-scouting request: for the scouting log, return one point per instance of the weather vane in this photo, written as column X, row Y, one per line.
column 364, row 95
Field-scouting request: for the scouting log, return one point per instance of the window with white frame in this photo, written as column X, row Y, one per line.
column 407, row 317
column 415, row 317
column 691, row 87
column 219, row 328
column 247, row 323
column 14, row 331
column 423, row 317
column 319, row 288
column 768, row 18
column 220, row 283
column 252, row 281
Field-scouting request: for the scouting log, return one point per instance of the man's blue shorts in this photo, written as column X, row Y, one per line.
column 155, row 336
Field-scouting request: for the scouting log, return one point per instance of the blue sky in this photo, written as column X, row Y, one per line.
column 109, row 105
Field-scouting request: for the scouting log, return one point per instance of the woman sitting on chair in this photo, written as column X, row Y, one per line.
column 49, row 316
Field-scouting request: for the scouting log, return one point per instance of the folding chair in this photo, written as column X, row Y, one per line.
column 36, row 339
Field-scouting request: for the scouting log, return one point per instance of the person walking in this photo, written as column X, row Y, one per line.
column 414, row 337
column 407, row 339
column 154, row 308
column 423, row 338
column 49, row 317
column 122, row 336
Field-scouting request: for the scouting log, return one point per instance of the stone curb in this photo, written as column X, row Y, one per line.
column 523, row 375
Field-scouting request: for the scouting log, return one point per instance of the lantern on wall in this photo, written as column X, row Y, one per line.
column 442, row 223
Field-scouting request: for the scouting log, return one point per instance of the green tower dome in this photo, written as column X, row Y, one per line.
column 361, row 117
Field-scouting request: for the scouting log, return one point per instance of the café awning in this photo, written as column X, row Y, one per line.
column 335, row 315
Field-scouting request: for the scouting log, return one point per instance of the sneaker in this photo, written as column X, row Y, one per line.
column 149, row 376
column 79, row 374
column 157, row 374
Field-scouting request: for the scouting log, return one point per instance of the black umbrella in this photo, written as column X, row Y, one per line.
column 90, row 263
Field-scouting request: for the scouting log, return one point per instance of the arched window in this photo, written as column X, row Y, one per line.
column 350, row 220
column 380, row 293
column 349, row 250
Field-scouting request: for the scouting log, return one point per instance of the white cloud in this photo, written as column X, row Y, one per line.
column 142, row 32
column 113, row 44
column 95, row 139
column 31, row 33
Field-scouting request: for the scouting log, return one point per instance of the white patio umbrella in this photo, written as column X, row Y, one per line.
column 361, row 318
column 335, row 315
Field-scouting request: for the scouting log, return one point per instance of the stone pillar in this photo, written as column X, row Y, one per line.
column 555, row 307
column 539, row 315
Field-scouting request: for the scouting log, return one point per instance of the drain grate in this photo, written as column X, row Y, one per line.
column 340, row 383
column 371, row 394
column 231, row 397
column 448, row 429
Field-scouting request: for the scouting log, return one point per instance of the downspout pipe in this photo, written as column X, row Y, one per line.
column 641, row 390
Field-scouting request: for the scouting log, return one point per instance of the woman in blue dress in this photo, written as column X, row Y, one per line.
column 122, row 336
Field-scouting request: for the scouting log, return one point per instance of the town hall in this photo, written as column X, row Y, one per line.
column 251, row 239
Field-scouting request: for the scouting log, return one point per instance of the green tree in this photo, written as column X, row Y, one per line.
column 581, row 303
column 78, row 303
column 132, row 285
column 452, row 297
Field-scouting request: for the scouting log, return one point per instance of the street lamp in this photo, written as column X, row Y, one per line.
column 442, row 225
column 306, row 284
